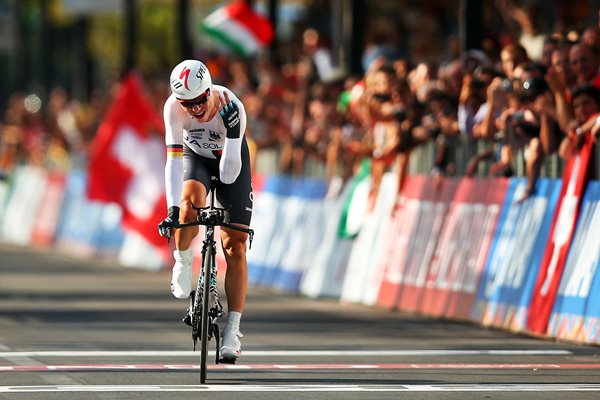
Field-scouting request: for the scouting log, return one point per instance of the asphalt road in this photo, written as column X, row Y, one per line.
column 72, row 328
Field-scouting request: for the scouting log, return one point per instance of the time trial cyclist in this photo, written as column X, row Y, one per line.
column 205, row 125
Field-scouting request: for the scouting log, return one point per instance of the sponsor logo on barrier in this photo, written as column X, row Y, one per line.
column 517, row 249
column 575, row 315
column 508, row 267
column 581, row 265
column 405, row 239
column 459, row 254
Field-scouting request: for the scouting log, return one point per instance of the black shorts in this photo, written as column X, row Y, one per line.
column 237, row 197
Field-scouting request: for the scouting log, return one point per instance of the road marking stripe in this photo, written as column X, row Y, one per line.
column 310, row 388
column 466, row 366
column 286, row 353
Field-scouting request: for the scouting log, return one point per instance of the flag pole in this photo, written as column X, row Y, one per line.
column 183, row 10
column 129, row 22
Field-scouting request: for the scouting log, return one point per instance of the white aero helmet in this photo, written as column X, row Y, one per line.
column 190, row 79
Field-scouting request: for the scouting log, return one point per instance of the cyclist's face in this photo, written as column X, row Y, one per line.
column 199, row 108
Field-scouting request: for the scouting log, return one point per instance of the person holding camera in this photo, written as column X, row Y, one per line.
column 532, row 126
column 384, row 124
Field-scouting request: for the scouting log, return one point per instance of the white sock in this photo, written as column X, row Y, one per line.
column 233, row 321
column 184, row 254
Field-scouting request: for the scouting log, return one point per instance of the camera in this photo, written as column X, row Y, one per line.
column 506, row 85
column 400, row 114
column 382, row 97
column 519, row 126
column 478, row 84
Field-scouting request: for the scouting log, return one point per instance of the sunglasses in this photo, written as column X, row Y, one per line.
column 198, row 101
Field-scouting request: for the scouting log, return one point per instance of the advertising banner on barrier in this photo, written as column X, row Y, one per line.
column 574, row 181
column 423, row 245
column 4, row 192
column 452, row 279
column 304, row 213
column 287, row 225
column 324, row 276
column 365, row 271
column 576, row 312
column 78, row 226
column 417, row 200
column 266, row 221
column 46, row 224
column 24, row 204
column 510, row 271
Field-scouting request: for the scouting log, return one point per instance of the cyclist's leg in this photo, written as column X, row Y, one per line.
column 236, row 277
column 238, row 196
column 193, row 193
column 196, row 180
column 236, row 287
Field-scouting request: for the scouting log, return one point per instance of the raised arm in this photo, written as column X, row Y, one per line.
column 234, row 118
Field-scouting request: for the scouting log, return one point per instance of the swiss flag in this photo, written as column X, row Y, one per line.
column 562, row 230
column 127, row 161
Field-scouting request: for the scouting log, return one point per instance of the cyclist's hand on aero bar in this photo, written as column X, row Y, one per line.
column 164, row 228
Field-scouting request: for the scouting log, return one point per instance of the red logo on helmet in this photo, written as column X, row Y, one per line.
column 185, row 73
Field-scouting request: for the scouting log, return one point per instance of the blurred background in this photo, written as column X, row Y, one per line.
column 67, row 55
column 470, row 87
column 83, row 45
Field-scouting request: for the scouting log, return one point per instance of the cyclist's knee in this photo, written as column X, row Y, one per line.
column 187, row 212
column 235, row 247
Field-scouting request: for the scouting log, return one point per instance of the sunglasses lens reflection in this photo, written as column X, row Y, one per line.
column 198, row 101
column 190, row 104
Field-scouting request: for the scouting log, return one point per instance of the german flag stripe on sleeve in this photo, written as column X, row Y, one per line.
column 174, row 150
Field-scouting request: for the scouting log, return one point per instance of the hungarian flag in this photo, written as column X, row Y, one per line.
column 240, row 28
column 127, row 161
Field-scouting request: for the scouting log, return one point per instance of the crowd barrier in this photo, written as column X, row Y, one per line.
column 456, row 248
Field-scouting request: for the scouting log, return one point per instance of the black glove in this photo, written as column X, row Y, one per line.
column 164, row 228
column 231, row 118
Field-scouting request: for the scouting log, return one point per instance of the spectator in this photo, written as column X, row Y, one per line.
column 585, row 60
column 349, row 142
column 511, row 56
column 384, row 129
column 528, row 19
column 472, row 106
column 532, row 124
column 586, row 109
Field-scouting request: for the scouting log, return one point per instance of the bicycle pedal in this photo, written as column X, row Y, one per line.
column 228, row 360
column 187, row 320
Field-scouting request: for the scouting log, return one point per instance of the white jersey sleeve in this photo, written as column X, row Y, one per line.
column 231, row 159
column 174, row 140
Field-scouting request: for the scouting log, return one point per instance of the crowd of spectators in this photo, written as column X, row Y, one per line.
column 531, row 94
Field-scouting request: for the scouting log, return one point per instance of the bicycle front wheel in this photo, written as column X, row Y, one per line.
column 207, row 263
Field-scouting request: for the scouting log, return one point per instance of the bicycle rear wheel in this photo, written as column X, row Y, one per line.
column 207, row 262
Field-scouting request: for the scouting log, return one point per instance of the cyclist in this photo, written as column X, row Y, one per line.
column 205, row 126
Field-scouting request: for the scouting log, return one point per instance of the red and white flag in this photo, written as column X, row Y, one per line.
column 574, row 181
column 127, row 161
column 240, row 28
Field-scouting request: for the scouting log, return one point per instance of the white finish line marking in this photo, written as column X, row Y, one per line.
column 153, row 367
column 286, row 353
column 311, row 388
